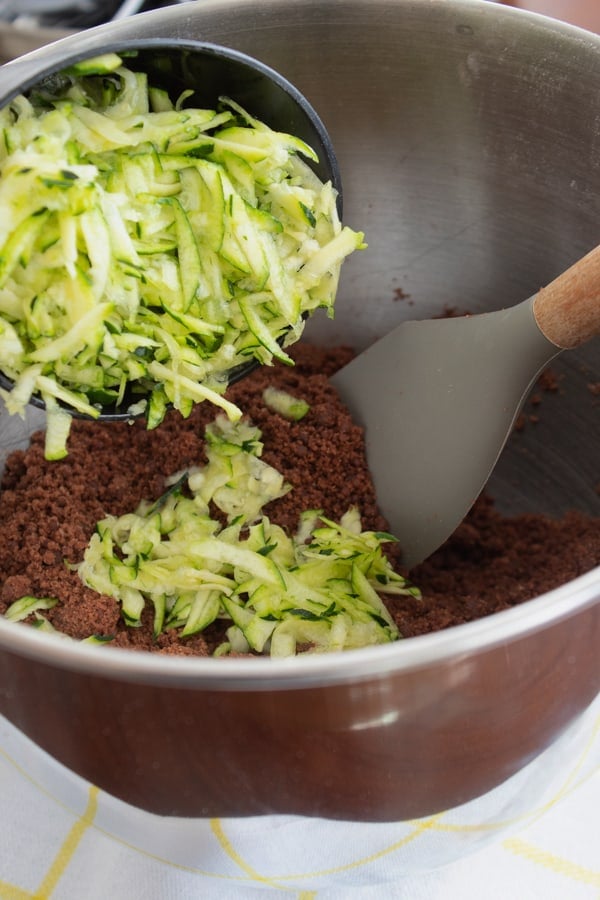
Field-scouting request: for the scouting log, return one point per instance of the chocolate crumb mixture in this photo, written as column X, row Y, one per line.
column 48, row 511
column 493, row 562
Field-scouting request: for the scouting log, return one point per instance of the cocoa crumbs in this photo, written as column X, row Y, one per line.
column 48, row 511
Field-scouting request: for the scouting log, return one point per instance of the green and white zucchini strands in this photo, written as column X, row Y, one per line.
column 319, row 589
column 148, row 247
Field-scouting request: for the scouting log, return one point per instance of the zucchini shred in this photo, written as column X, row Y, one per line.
column 149, row 247
column 316, row 590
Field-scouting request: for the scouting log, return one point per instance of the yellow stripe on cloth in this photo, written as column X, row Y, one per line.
column 69, row 847
column 275, row 881
column 10, row 892
column 219, row 832
column 551, row 861
column 420, row 827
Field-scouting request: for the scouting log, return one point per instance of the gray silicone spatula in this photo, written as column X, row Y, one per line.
column 438, row 400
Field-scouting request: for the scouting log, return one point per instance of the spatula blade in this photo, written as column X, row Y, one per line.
column 438, row 399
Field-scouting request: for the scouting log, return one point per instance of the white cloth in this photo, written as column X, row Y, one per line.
column 536, row 836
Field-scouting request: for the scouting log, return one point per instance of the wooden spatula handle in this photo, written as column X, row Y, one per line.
column 567, row 311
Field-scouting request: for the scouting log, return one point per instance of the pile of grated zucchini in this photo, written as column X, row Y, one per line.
column 316, row 590
column 147, row 247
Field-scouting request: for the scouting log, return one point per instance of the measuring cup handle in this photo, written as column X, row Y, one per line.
column 567, row 311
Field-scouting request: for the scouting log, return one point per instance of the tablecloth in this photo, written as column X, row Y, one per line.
column 535, row 836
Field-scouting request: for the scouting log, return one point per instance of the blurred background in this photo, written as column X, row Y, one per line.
column 70, row 14
column 27, row 16
column 584, row 13
column 26, row 24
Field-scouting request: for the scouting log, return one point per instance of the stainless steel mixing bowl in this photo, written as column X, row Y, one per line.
column 469, row 146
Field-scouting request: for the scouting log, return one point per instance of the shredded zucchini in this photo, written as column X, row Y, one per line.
column 147, row 247
column 317, row 590
column 288, row 406
column 25, row 606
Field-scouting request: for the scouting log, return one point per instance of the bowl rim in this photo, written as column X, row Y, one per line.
column 466, row 641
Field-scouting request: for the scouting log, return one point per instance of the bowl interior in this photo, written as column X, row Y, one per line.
column 466, row 137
